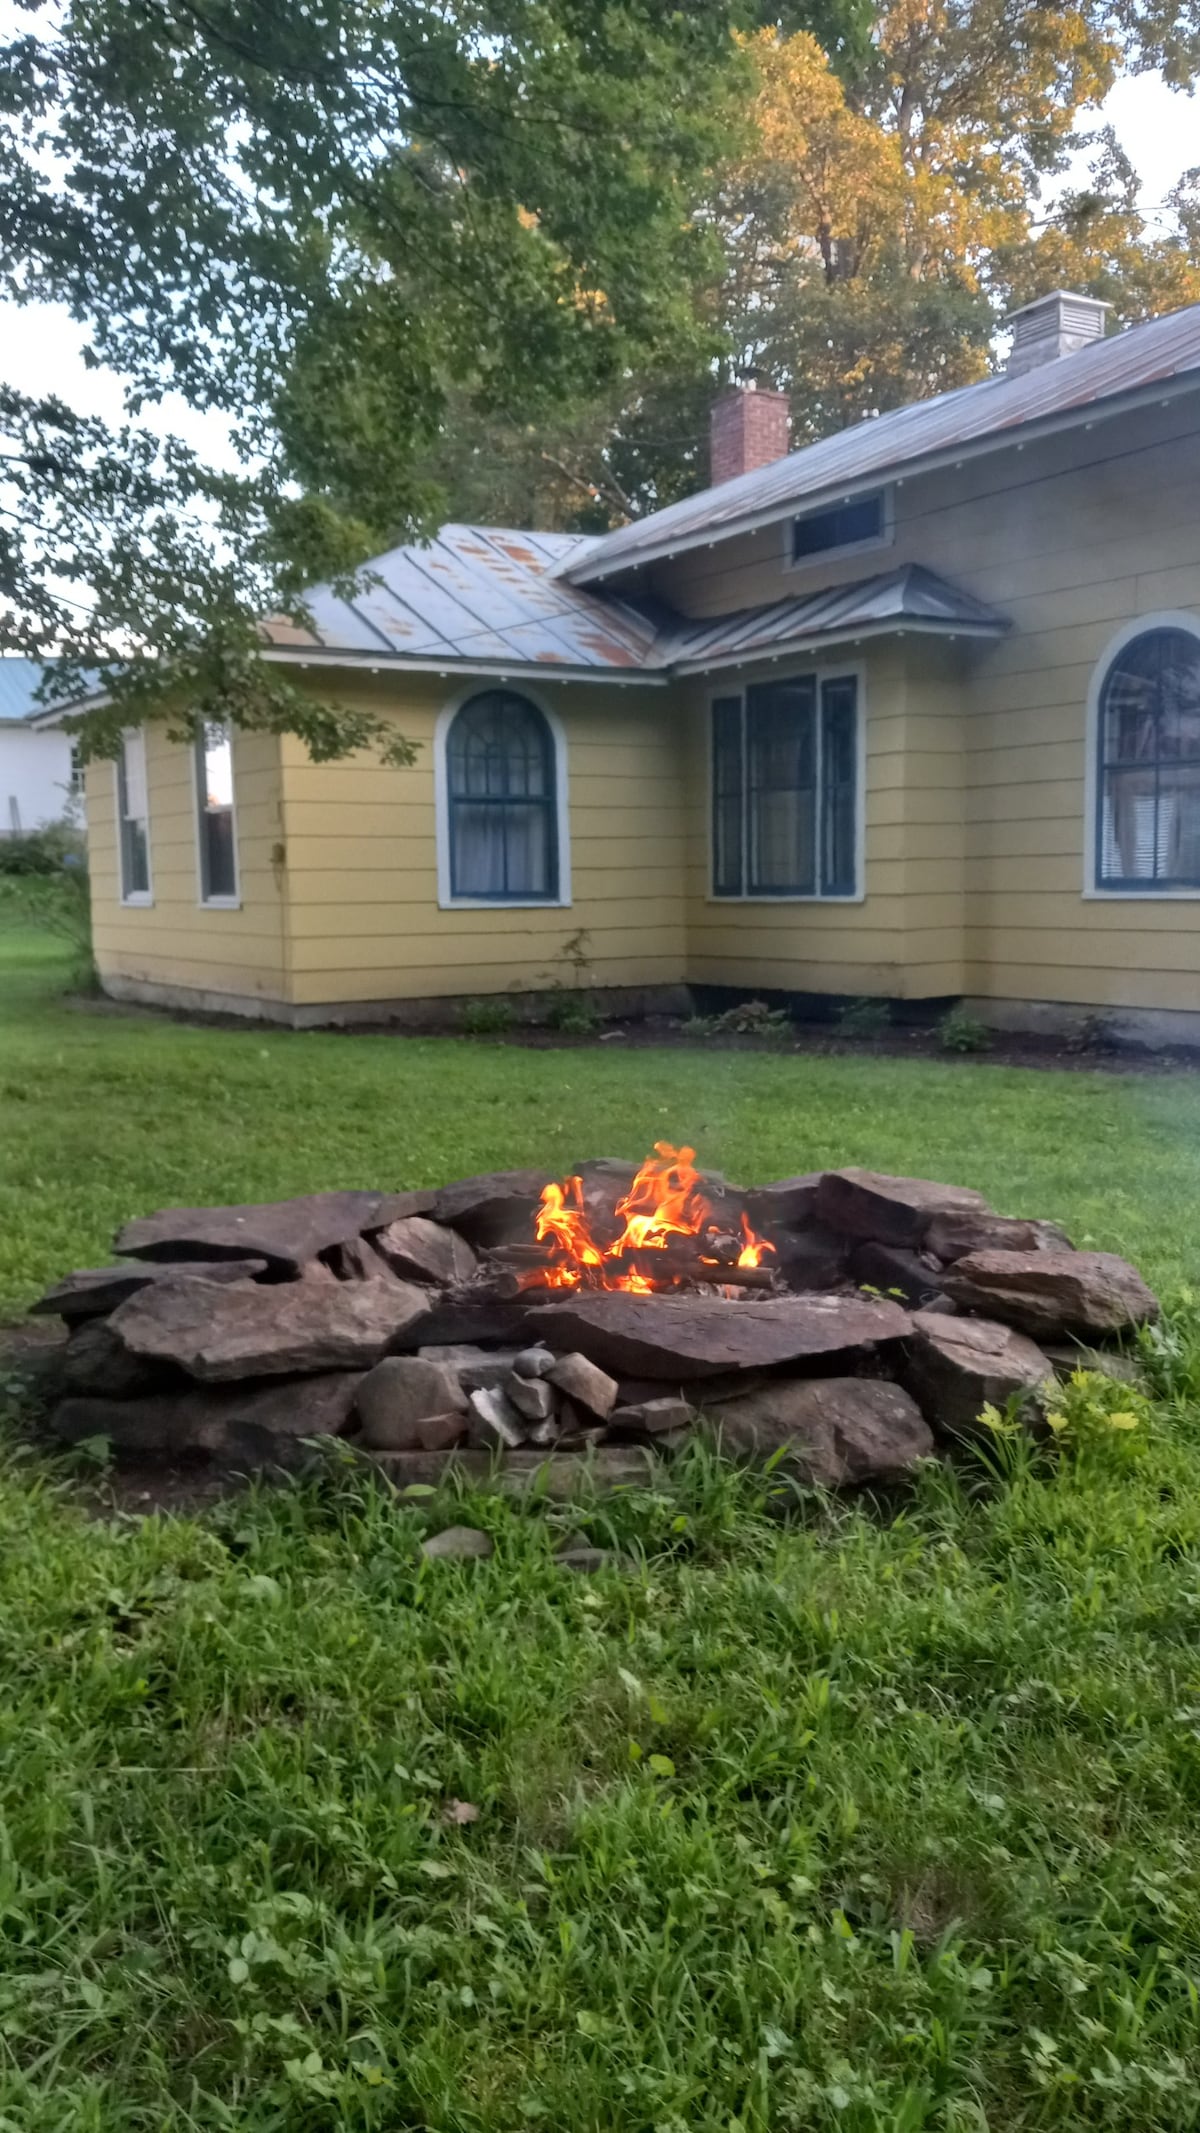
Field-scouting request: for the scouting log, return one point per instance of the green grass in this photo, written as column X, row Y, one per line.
column 877, row 1823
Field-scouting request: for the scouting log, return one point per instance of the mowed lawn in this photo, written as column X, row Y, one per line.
column 877, row 1818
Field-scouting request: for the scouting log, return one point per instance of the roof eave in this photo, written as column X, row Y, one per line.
column 999, row 440
column 492, row 669
column 832, row 640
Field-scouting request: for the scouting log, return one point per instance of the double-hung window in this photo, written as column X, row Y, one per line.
column 215, row 829
column 133, row 818
column 1148, row 772
column 502, row 802
column 785, row 779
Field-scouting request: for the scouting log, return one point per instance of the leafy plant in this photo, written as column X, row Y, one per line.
column 751, row 1018
column 573, row 1014
column 491, row 1016
column 569, row 1008
column 865, row 1018
column 961, row 1031
column 43, row 851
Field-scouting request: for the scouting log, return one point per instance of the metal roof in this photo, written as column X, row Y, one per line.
column 485, row 601
column 18, row 680
column 1045, row 398
column 479, row 596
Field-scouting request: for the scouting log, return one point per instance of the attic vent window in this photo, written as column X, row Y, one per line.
column 859, row 524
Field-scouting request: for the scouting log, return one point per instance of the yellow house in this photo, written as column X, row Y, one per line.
column 914, row 712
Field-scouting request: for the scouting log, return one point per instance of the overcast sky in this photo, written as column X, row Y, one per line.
column 40, row 347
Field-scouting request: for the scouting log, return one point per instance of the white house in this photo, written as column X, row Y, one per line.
column 35, row 766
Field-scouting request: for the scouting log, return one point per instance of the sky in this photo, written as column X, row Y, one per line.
column 40, row 347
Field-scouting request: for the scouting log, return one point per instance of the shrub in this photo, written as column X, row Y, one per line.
column 961, row 1031
column 865, row 1017
column 44, row 851
column 573, row 1014
column 491, row 1017
column 751, row 1018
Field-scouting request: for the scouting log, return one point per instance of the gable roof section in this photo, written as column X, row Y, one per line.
column 485, row 602
column 976, row 417
column 18, row 680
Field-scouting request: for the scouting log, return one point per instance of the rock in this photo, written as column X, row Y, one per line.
column 284, row 1232
column 288, row 1328
column 587, row 1559
column 559, row 1476
column 96, row 1360
column 951, row 1237
column 836, row 1432
column 472, row 1366
column 545, row 1433
column 652, row 1417
column 499, row 1207
column 589, row 1387
column 458, row 1543
column 789, row 1203
column 458, row 1322
column 96, row 1291
column 400, row 1395
column 891, row 1268
column 879, row 1209
column 314, row 1271
column 577, row 1430
column 398, row 1206
column 816, row 1258
column 957, row 1366
column 685, row 1337
column 534, row 1362
column 1053, row 1293
column 1070, row 1356
column 532, row 1397
column 356, row 1260
column 493, row 1422
column 425, row 1251
column 255, row 1424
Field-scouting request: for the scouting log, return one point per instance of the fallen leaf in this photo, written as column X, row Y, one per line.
column 460, row 1811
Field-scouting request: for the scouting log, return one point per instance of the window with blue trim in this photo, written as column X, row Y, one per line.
column 785, row 789
column 1148, row 783
column 502, row 801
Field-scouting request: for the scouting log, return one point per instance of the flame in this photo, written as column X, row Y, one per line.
column 664, row 1203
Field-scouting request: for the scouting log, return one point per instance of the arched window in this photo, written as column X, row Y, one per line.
column 1148, row 770
column 502, row 801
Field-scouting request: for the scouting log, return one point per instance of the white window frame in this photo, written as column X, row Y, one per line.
column 441, row 792
column 840, row 670
column 137, row 899
column 885, row 539
column 1161, row 619
column 216, row 903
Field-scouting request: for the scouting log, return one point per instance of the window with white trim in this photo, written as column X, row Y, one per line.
column 1148, row 765
column 785, row 775
column 133, row 818
column 502, row 801
column 214, row 815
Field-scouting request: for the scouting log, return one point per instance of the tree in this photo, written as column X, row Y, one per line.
column 330, row 220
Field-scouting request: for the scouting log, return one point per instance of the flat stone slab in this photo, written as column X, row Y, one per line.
column 287, row 1329
column 836, row 1432
column 496, row 1208
column 951, row 1237
column 879, row 1209
column 422, row 1250
column 957, row 1366
column 95, row 1291
column 256, row 1424
column 1048, row 1294
column 284, row 1232
column 686, row 1337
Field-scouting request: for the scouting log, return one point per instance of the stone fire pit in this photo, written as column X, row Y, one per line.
column 848, row 1319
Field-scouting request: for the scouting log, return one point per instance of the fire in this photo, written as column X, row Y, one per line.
column 669, row 1232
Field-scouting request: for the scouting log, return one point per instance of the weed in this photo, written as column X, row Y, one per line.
column 865, row 1018
column 491, row 1016
column 751, row 1018
column 961, row 1031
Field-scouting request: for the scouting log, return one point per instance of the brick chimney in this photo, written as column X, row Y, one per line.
column 1056, row 325
column 749, row 429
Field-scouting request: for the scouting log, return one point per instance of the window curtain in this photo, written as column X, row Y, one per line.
column 1149, row 784
column 502, row 800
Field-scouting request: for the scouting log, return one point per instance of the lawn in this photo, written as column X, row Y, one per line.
column 862, row 1820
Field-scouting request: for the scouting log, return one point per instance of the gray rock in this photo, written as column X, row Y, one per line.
column 652, row 1417
column 879, row 1209
column 1053, row 1293
column 357, row 1260
column 287, row 1328
column 494, row 1423
column 587, row 1559
column 546, row 1433
column 497, row 1208
column 590, row 1387
column 892, row 1269
column 284, row 1232
column 681, row 1338
column 578, row 1431
column 532, row 1397
column 1069, row 1356
column 401, row 1395
column 534, row 1362
column 254, row 1424
column 836, row 1432
column 957, row 1366
column 951, row 1237
column 815, row 1258
column 457, row 1321
column 96, row 1360
column 426, row 1251
column 788, row 1203
column 96, row 1291
column 457, row 1543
